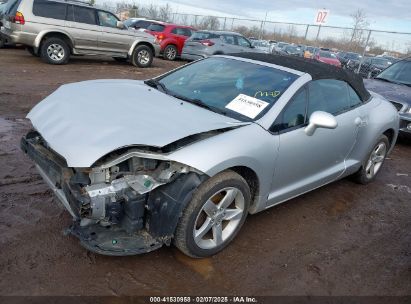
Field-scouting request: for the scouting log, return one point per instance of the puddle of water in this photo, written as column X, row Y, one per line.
column 204, row 267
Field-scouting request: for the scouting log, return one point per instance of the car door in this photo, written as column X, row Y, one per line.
column 180, row 34
column 230, row 44
column 82, row 23
column 307, row 162
column 112, row 39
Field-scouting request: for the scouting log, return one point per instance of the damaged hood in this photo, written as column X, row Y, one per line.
column 85, row 121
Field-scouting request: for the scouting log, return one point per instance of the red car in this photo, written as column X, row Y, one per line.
column 327, row 57
column 171, row 38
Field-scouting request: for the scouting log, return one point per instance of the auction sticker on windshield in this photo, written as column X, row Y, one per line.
column 247, row 105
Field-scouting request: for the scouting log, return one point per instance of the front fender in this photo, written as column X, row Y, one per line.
column 249, row 146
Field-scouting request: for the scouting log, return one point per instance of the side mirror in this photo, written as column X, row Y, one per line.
column 120, row 25
column 252, row 47
column 320, row 119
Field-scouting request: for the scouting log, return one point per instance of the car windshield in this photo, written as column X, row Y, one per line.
column 217, row 83
column 380, row 61
column 353, row 56
column 291, row 48
column 399, row 72
column 327, row 55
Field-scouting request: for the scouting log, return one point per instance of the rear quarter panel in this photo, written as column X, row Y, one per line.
column 380, row 116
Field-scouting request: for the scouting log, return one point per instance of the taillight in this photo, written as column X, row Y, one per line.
column 160, row 37
column 207, row 42
column 18, row 18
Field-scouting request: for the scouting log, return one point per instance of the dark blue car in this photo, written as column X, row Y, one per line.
column 394, row 83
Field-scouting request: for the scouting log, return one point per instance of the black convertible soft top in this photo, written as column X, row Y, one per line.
column 317, row 70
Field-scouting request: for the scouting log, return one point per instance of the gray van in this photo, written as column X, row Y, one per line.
column 56, row 29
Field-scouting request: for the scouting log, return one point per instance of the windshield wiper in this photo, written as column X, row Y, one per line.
column 156, row 84
column 199, row 103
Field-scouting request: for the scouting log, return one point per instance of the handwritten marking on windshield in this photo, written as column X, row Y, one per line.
column 272, row 94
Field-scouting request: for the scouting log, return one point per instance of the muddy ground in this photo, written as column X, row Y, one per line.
column 343, row 239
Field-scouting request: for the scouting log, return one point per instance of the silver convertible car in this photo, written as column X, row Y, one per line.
column 183, row 158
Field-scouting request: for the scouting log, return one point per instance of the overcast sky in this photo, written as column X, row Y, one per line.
column 394, row 15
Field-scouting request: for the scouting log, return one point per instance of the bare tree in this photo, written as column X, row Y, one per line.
column 164, row 13
column 243, row 30
column 183, row 19
column 210, row 23
column 360, row 24
column 152, row 11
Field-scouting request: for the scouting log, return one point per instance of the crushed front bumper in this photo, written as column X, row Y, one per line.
column 148, row 220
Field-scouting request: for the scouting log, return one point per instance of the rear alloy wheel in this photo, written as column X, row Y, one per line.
column 142, row 56
column 170, row 52
column 214, row 216
column 372, row 166
column 55, row 51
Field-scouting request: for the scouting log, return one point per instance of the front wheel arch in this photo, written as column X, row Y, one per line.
column 143, row 43
column 227, row 192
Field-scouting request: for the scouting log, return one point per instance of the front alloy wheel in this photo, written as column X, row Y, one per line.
column 214, row 216
column 142, row 56
column 219, row 217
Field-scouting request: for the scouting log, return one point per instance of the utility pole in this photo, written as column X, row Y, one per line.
column 263, row 25
column 363, row 53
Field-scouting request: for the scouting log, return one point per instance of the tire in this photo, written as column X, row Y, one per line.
column 55, row 51
column 31, row 51
column 120, row 59
column 170, row 52
column 142, row 56
column 373, row 163
column 227, row 190
column 2, row 42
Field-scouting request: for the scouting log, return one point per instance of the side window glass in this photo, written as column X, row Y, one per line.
column 229, row 39
column 70, row 13
column 107, row 19
column 354, row 98
column 243, row 42
column 328, row 95
column 293, row 116
column 84, row 15
column 49, row 9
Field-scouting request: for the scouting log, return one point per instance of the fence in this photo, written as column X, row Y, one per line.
column 342, row 38
column 362, row 41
